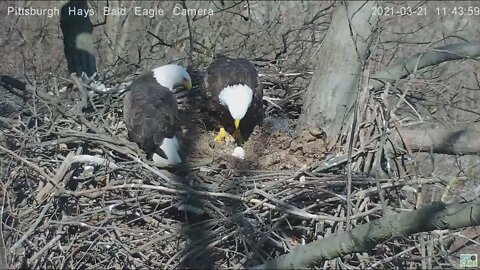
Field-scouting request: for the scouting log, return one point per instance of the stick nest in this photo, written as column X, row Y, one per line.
column 76, row 193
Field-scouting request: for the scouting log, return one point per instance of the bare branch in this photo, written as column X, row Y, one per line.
column 446, row 138
column 365, row 237
column 405, row 67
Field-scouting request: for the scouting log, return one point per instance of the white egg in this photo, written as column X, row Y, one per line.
column 238, row 152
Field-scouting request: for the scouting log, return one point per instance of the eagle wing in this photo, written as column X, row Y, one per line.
column 224, row 72
column 150, row 114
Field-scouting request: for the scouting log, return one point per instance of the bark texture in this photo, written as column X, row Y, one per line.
column 331, row 94
column 444, row 138
column 401, row 69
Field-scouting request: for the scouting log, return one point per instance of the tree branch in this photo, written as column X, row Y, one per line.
column 405, row 67
column 437, row 216
column 445, row 138
column 9, row 83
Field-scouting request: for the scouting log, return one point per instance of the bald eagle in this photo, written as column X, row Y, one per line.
column 233, row 94
column 150, row 112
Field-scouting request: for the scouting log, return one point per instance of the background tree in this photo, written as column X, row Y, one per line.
column 329, row 101
column 77, row 37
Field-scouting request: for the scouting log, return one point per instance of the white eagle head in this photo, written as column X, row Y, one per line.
column 237, row 98
column 172, row 75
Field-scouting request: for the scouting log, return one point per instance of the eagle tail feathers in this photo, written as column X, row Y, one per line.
column 171, row 148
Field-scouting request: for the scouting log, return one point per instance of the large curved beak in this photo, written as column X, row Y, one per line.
column 187, row 84
column 237, row 123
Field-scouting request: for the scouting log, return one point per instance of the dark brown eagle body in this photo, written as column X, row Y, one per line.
column 150, row 113
column 225, row 72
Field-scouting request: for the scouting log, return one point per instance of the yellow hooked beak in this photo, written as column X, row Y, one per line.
column 187, row 84
column 237, row 123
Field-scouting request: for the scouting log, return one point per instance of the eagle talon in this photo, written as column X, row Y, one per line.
column 223, row 135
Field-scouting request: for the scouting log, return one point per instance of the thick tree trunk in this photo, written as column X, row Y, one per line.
column 331, row 94
column 364, row 237
column 77, row 37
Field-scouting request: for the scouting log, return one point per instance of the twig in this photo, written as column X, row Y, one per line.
column 190, row 35
column 69, row 160
column 160, row 41
column 33, row 227
column 30, row 164
column 366, row 236
column 48, row 246
column 270, row 100
column 365, row 192
column 185, row 190
column 334, row 162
